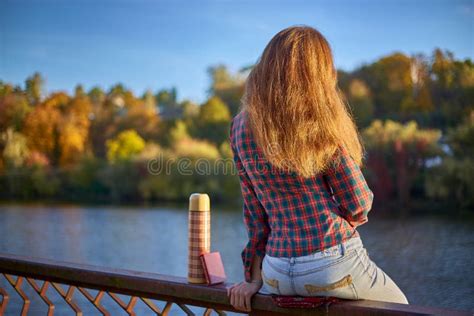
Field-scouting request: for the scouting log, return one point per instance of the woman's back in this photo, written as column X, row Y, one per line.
column 296, row 215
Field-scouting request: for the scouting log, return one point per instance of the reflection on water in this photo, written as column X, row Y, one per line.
column 429, row 258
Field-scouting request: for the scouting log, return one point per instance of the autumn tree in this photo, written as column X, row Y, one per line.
column 452, row 89
column 149, row 101
column 34, row 88
column 97, row 96
column 15, row 149
column 452, row 182
column 74, row 129
column 397, row 158
column 125, row 146
column 359, row 98
column 138, row 115
column 14, row 107
column 167, row 98
column 42, row 126
column 213, row 121
column 102, row 119
column 228, row 87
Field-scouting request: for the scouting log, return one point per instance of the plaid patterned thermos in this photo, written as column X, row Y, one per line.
column 199, row 235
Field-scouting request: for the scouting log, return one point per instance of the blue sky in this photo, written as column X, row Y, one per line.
column 159, row 44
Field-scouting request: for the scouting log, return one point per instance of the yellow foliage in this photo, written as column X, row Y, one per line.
column 58, row 99
column 358, row 89
column 74, row 130
column 16, row 150
column 214, row 111
column 125, row 146
column 193, row 148
column 386, row 133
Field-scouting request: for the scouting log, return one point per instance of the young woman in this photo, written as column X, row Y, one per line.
column 299, row 154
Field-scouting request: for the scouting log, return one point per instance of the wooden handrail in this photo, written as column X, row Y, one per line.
column 177, row 290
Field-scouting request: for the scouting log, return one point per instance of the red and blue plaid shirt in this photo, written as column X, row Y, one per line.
column 287, row 215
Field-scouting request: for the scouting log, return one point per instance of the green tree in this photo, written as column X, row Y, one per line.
column 34, row 87
column 97, row 96
column 167, row 98
column 213, row 121
column 214, row 111
column 190, row 109
column 452, row 89
column 178, row 132
column 452, row 182
column 79, row 91
column 360, row 101
column 190, row 116
column 390, row 81
column 228, row 87
column 125, row 146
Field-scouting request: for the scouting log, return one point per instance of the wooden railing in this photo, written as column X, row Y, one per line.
column 79, row 279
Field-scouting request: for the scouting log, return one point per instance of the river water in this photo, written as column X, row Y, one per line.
column 430, row 258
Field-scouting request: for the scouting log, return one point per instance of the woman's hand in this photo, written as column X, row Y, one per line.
column 240, row 294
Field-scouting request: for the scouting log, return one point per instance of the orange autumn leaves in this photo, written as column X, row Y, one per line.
column 59, row 128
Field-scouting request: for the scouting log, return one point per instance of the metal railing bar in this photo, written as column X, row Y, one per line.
column 178, row 291
column 17, row 287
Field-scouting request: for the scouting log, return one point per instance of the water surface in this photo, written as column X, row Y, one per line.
column 431, row 259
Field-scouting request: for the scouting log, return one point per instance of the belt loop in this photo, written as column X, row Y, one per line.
column 343, row 248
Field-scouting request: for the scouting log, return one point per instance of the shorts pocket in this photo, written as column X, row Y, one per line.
column 342, row 288
column 345, row 281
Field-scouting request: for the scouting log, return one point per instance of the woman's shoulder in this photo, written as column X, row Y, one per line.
column 239, row 118
column 238, row 124
column 241, row 135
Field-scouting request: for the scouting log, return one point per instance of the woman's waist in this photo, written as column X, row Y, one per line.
column 299, row 254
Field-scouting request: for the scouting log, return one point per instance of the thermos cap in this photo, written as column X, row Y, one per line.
column 199, row 202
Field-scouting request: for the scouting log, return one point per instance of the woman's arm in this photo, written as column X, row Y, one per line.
column 257, row 269
column 255, row 216
column 350, row 190
column 240, row 294
column 258, row 229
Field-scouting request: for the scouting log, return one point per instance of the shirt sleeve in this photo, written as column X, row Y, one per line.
column 350, row 190
column 255, row 218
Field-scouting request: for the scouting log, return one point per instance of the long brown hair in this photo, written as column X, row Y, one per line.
column 296, row 112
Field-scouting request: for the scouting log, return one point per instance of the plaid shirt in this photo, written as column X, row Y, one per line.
column 287, row 215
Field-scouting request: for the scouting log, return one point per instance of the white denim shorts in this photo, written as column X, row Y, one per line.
column 343, row 271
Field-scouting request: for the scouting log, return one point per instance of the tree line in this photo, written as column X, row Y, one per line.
column 415, row 114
